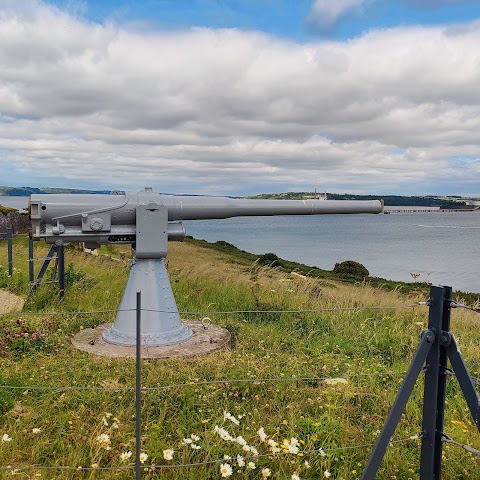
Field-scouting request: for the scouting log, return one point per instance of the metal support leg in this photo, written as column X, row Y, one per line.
column 398, row 407
column 465, row 380
column 45, row 265
column 61, row 270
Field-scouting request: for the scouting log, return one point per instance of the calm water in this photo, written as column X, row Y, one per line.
column 443, row 248
column 14, row 202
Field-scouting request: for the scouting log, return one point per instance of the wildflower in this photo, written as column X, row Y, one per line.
column 266, row 472
column 335, row 381
column 253, row 451
column 224, row 435
column 240, row 461
column 273, row 445
column 251, row 465
column 36, row 430
column 195, row 438
column 307, row 464
column 327, row 474
column 143, row 457
column 187, row 441
column 225, row 470
column 168, row 454
column 290, row 446
column 227, row 457
column 104, row 441
column 262, row 434
column 246, row 448
column 115, row 425
column 6, row 438
column 230, row 417
column 195, row 447
column 241, row 441
column 321, row 452
column 125, row 456
column 295, row 476
column 94, row 465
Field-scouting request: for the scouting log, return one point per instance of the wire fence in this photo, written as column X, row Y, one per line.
column 214, row 312
column 19, row 468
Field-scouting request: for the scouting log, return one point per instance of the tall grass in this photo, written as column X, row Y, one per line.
column 270, row 349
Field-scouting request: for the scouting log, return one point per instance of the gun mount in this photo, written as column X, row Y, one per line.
column 147, row 220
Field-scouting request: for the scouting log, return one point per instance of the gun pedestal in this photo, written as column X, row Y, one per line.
column 161, row 323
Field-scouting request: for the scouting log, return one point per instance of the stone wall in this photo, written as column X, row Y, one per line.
column 18, row 221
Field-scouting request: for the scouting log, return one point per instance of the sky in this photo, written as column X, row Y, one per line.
column 239, row 97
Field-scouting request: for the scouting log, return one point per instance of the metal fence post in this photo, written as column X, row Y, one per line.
column 138, row 385
column 434, row 391
column 10, row 250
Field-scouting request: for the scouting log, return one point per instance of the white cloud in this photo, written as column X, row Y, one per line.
column 326, row 13
column 226, row 111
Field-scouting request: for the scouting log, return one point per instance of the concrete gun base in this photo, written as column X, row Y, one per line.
column 206, row 339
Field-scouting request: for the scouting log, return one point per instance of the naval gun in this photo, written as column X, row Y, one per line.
column 148, row 220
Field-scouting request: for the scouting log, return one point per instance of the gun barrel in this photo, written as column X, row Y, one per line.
column 67, row 208
column 201, row 208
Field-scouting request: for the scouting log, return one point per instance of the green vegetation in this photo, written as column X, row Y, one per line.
column 6, row 210
column 27, row 191
column 351, row 269
column 51, row 428
column 389, row 200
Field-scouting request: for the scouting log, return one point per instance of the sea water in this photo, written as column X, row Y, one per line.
column 441, row 248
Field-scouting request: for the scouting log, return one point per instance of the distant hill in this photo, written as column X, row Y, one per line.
column 389, row 200
column 27, row 191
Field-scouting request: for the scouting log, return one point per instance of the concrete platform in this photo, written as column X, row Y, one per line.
column 203, row 342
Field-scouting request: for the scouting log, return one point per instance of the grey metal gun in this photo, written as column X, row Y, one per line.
column 147, row 220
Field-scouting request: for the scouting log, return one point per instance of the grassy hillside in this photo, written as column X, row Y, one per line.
column 334, row 415
column 389, row 200
column 27, row 191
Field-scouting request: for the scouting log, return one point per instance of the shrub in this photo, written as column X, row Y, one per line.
column 269, row 259
column 351, row 269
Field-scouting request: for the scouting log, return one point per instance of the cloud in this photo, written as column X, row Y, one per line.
column 325, row 14
column 234, row 112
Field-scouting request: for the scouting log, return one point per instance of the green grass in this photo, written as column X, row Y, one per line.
column 267, row 346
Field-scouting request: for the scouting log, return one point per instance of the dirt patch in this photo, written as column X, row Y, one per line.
column 10, row 302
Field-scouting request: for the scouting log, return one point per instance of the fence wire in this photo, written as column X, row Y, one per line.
column 226, row 312
column 320, row 451
column 205, row 382
column 466, row 307
column 447, row 439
